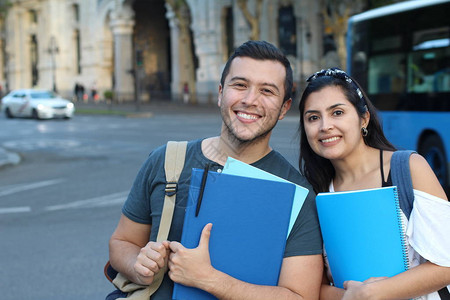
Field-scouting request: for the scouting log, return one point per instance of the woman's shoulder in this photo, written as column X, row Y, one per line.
column 423, row 177
column 418, row 164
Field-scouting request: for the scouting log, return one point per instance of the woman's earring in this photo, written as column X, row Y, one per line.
column 364, row 131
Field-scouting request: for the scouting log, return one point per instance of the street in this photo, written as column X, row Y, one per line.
column 59, row 206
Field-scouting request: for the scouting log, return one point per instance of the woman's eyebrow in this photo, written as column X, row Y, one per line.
column 328, row 108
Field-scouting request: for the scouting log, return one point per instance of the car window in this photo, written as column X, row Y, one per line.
column 42, row 95
column 19, row 95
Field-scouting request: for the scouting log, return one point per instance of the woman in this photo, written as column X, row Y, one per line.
column 344, row 148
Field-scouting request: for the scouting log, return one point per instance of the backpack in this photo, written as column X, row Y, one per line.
column 401, row 177
column 173, row 166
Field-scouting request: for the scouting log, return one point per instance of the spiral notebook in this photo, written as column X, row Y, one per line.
column 363, row 234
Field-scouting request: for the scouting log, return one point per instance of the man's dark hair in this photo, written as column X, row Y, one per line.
column 262, row 50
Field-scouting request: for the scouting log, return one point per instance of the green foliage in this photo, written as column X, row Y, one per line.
column 108, row 94
column 4, row 7
column 176, row 4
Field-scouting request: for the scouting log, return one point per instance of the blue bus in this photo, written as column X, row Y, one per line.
column 400, row 54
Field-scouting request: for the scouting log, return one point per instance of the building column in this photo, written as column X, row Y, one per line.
column 175, row 85
column 309, row 38
column 122, row 28
column 207, row 38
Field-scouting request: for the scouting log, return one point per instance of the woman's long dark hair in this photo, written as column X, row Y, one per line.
column 318, row 170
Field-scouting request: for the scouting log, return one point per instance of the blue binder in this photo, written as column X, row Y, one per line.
column 362, row 233
column 250, row 220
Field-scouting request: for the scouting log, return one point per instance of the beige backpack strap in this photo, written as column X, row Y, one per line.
column 173, row 165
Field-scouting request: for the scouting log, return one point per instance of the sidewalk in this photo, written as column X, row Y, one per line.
column 143, row 109
column 153, row 108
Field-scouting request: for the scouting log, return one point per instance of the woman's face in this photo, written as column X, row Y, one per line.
column 332, row 124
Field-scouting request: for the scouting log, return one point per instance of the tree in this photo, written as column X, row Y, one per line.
column 336, row 13
column 253, row 20
column 4, row 7
column 187, row 75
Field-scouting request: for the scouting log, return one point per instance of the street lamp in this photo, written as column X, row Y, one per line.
column 52, row 50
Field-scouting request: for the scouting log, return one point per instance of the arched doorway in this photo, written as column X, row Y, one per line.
column 151, row 42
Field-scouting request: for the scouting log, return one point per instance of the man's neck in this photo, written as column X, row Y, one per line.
column 218, row 149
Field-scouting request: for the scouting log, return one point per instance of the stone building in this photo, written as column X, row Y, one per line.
column 136, row 48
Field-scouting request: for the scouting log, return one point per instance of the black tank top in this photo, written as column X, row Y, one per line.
column 388, row 182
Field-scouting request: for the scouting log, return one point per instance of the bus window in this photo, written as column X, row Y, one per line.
column 387, row 74
column 442, row 76
column 429, row 61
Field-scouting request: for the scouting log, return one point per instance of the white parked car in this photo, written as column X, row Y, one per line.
column 38, row 104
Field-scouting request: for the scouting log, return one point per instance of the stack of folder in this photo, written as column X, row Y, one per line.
column 251, row 219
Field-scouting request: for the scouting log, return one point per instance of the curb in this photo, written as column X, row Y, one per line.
column 139, row 115
column 8, row 158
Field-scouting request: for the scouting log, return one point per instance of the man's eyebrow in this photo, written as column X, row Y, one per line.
column 273, row 85
column 238, row 78
column 329, row 108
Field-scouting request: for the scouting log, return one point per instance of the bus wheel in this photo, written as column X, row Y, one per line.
column 432, row 150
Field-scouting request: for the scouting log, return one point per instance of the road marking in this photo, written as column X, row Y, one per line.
column 10, row 210
column 27, row 186
column 102, row 201
column 37, row 144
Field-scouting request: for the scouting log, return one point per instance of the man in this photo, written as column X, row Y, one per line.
column 254, row 93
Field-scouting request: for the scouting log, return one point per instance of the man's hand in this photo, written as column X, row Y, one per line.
column 353, row 290
column 151, row 259
column 191, row 266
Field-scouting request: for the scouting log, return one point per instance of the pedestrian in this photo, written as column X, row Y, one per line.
column 254, row 93
column 94, row 94
column 343, row 148
column 186, row 93
column 76, row 91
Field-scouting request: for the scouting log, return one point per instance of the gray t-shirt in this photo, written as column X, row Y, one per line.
column 146, row 198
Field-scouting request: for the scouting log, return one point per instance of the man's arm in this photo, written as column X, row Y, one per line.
column 300, row 276
column 329, row 292
column 131, row 253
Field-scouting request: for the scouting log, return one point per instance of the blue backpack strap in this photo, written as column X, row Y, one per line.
column 401, row 177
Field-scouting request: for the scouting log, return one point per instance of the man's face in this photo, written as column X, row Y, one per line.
column 251, row 99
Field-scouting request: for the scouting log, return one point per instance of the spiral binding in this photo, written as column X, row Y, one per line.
column 402, row 228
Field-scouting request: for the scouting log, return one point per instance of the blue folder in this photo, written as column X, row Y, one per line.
column 250, row 220
column 236, row 167
column 362, row 233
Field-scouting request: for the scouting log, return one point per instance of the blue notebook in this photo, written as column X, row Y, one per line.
column 362, row 233
column 248, row 215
